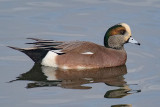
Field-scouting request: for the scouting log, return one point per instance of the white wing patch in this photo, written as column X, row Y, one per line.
column 88, row 53
column 65, row 67
column 57, row 51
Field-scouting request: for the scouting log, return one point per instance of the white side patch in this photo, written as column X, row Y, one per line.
column 50, row 59
column 88, row 53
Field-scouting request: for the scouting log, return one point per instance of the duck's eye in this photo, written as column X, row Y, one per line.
column 122, row 32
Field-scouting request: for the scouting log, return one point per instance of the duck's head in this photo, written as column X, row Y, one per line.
column 117, row 35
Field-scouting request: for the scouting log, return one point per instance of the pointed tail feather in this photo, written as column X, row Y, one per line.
column 35, row 54
column 36, row 39
column 15, row 48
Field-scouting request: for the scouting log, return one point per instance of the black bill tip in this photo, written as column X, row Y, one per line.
column 138, row 44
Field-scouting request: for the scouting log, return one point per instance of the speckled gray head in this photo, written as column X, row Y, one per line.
column 117, row 35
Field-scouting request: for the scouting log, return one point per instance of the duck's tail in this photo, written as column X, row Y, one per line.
column 34, row 53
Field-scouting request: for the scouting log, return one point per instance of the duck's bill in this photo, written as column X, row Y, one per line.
column 132, row 40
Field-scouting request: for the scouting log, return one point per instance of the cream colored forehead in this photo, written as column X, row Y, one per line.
column 126, row 26
column 128, row 33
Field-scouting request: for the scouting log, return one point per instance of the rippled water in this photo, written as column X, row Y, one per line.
column 135, row 84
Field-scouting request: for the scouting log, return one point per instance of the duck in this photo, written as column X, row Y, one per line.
column 82, row 54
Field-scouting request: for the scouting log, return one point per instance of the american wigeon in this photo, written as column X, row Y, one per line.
column 83, row 54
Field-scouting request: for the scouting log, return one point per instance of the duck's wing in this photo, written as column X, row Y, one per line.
column 41, row 47
column 45, row 44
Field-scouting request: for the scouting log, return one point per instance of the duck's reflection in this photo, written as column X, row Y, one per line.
column 74, row 79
